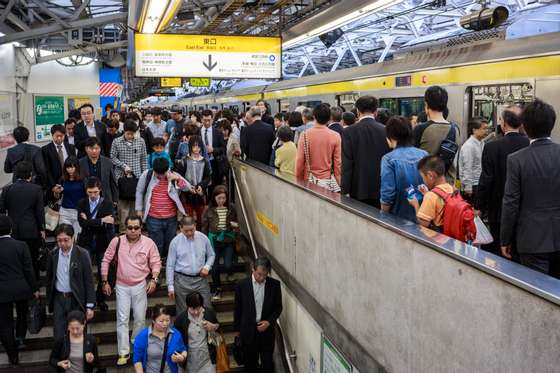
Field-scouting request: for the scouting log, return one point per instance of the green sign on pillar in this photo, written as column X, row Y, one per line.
column 49, row 110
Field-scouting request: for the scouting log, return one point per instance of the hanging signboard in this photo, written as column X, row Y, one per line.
column 170, row 82
column 49, row 110
column 332, row 360
column 210, row 56
column 200, row 82
column 7, row 120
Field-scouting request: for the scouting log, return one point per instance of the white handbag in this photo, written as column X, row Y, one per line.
column 330, row 183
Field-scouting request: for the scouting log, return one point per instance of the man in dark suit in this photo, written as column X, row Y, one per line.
column 94, row 164
column 336, row 118
column 17, row 286
column 257, row 137
column 531, row 207
column 88, row 127
column 22, row 152
column 258, row 304
column 95, row 215
column 363, row 146
column 69, row 280
column 493, row 177
column 215, row 145
column 23, row 202
column 54, row 154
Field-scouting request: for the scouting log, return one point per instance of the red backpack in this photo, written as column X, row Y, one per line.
column 458, row 216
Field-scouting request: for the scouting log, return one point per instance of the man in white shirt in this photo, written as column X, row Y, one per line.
column 470, row 157
column 189, row 262
column 157, row 126
column 258, row 304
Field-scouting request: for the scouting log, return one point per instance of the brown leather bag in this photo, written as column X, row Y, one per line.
column 222, row 357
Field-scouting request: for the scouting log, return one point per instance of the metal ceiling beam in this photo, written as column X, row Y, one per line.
column 56, row 28
column 261, row 17
column 51, row 14
column 7, row 10
column 80, row 9
column 227, row 10
column 84, row 50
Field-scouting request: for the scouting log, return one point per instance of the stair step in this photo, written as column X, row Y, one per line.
column 107, row 358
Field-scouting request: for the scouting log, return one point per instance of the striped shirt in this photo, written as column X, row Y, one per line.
column 161, row 206
column 222, row 217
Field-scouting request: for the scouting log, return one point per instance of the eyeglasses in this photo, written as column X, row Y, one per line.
column 133, row 227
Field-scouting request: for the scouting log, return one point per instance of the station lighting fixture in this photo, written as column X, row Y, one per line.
column 157, row 15
column 341, row 21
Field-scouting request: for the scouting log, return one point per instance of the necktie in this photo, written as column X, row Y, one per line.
column 206, row 137
column 60, row 156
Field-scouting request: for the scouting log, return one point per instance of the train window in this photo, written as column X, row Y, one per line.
column 489, row 100
column 389, row 104
column 283, row 106
column 410, row 105
column 309, row 104
column 347, row 100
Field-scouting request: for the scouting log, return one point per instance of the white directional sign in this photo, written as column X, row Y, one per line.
column 208, row 56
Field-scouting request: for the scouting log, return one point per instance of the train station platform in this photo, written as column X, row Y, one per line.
column 389, row 295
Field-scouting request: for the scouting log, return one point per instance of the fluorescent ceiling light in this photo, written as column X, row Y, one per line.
column 341, row 21
column 157, row 15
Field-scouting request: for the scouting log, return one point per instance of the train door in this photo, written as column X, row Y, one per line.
column 347, row 100
column 488, row 101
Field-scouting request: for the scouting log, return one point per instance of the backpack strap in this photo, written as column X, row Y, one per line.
column 441, row 193
column 164, row 355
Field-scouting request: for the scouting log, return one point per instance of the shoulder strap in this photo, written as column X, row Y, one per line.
column 147, row 183
column 116, row 256
column 441, row 193
column 306, row 153
column 451, row 136
column 164, row 355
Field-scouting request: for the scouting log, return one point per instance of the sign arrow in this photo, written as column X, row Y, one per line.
column 210, row 66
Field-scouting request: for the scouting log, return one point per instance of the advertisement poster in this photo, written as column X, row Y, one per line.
column 49, row 110
column 7, row 120
column 76, row 102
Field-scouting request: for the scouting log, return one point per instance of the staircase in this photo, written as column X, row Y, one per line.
column 34, row 356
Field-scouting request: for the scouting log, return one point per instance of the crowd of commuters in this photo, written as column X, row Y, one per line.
column 138, row 194
column 166, row 174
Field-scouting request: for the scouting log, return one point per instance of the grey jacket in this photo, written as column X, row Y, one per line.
column 143, row 202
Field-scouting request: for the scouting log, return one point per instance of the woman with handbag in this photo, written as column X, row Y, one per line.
column 198, row 325
column 71, row 190
column 219, row 223
column 76, row 352
column 319, row 152
column 159, row 348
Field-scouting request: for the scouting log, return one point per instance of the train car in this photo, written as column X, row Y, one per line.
column 481, row 78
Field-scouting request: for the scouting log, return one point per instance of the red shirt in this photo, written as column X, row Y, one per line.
column 161, row 206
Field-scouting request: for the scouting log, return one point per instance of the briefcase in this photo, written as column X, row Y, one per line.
column 36, row 317
column 238, row 351
column 127, row 187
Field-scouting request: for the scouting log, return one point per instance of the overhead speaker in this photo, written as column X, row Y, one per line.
column 116, row 61
column 331, row 37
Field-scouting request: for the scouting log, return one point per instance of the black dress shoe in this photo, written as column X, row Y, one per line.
column 103, row 306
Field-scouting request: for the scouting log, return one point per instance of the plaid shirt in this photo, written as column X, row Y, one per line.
column 131, row 154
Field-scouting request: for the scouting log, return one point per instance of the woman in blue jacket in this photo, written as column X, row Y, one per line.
column 152, row 343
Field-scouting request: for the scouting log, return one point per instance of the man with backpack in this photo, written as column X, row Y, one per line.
column 442, row 207
column 438, row 136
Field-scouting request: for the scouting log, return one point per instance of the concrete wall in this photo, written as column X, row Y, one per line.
column 410, row 307
column 7, row 86
column 53, row 78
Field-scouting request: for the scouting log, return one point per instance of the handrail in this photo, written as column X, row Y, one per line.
column 527, row 279
column 255, row 255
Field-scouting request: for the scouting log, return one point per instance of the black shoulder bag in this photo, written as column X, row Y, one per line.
column 164, row 355
column 112, row 275
column 448, row 148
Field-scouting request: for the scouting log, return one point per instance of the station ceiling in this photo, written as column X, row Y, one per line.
column 98, row 29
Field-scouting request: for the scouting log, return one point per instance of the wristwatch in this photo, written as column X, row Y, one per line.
column 156, row 280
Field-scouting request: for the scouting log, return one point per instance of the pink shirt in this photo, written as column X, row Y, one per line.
column 136, row 261
column 324, row 151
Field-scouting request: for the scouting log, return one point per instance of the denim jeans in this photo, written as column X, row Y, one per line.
column 162, row 231
column 224, row 250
